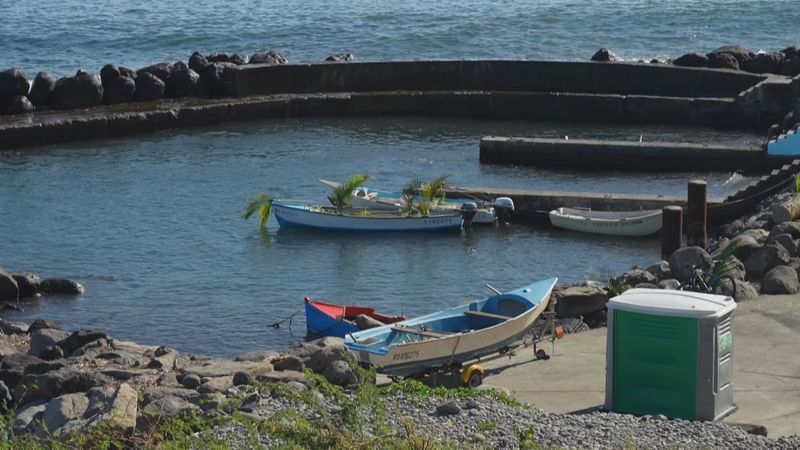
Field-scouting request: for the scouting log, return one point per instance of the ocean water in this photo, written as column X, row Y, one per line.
column 63, row 36
column 152, row 226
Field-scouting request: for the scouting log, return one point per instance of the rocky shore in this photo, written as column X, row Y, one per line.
column 311, row 395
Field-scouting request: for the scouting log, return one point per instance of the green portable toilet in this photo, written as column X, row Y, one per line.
column 670, row 352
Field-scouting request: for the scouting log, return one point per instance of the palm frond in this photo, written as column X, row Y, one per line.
column 433, row 191
column 797, row 184
column 262, row 204
column 725, row 263
column 409, row 196
column 342, row 195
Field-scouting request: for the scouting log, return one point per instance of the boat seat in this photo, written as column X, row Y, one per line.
column 426, row 333
column 486, row 314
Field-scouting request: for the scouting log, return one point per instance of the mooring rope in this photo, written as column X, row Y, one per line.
column 280, row 322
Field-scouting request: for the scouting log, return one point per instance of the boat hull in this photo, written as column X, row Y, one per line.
column 644, row 225
column 416, row 357
column 291, row 216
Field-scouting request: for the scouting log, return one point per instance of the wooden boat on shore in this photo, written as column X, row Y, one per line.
column 454, row 335
column 327, row 319
column 375, row 199
column 617, row 223
column 353, row 219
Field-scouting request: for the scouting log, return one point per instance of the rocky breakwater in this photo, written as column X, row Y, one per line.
column 95, row 389
column 18, row 288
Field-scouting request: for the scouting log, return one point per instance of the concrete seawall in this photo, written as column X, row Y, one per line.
column 624, row 155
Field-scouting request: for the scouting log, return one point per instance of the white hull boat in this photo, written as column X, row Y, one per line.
column 616, row 223
column 326, row 218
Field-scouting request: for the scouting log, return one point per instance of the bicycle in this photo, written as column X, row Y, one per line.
column 709, row 282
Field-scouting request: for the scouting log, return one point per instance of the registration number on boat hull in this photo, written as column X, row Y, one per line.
column 406, row 356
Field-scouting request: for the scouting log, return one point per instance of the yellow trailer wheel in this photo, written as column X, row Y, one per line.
column 472, row 376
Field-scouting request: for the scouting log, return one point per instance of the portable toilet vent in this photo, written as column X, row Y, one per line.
column 671, row 353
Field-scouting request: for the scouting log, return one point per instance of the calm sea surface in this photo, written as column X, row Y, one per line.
column 152, row 225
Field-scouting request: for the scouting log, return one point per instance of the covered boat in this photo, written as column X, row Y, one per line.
column 454, row 335
column 618, row 223
column 327, row 319
column 353, row 219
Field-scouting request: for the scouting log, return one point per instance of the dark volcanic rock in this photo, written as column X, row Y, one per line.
column 42, row 89
column 741, row 54
column 183, row 82
column 766, row 258
column 765, row 63
column 270, row 57
column 219, row 57
column 161, row 70
column 60, row 286
column 691, row 60
column 340, row 374
column 791, row 51
column 40, row 324
column 605, row 55
column 238, row 59
column 13, row 82
column 81, row 91
column 683, row 259
column 78, row 339
column 341, row 57
column 780, row 280
column 28, row 284
column 198, row 63
column 791, row 67
column 9, row 291
column 19, row 105
column 213, row 75
column 119, row 90
column 575, row 301
column 723, row 61
column 148, row 87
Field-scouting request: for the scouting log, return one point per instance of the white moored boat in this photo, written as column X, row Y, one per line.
column 327, row 218
column 618, row 223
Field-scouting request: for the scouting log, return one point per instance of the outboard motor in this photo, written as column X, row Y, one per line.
column 468, row 211
column 503, row 209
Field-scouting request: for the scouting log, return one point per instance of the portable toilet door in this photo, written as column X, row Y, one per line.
column 671, row 353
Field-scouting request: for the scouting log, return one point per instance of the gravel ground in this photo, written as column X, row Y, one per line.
column 486, row 423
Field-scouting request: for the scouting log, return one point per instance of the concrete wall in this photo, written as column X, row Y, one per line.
column 526, row 76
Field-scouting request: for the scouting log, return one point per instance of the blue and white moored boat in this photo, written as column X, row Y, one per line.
column 327, row 218
column 454, row 335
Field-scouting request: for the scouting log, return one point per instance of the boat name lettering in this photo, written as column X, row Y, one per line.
column 406, row 355
column 436, row 221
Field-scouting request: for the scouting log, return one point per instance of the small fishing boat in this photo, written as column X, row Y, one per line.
column 326, row 319
column 454, row 335
column 618, row 223
column 354, row 219
column 375, row 199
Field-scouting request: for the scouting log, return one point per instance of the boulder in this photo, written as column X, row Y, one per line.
column 219, row 57
column 765, row 63
column 80, row 91
column 212, row 77
column 155, row 392
column 9, row 291
column 365, row 322
column 785, row 239
column 741, row 54
column 744, row 291
column 42, row 341
column 163, row 71
column 575, row 301
column 791, row 51
column 19, row 105
column 52, row 352
column 11, row 327
column 42, row 89
column 448, row 408
column 661, row 270
column 222, row 367
column 605, row 55
column 40, row 324
column 13, row 82
column 243, row 379
column 216, row 384
column 682, row 260
column 238, row 59
column 765, row 259
column 340, row 374
column 121, row 409
column 191, row 381
column 60, row 410
column 60, row 286
column 793, row 228
column 183, row 82
column 119, row 90
column 691, row 60
column 257, row 356
column 324, row 357
column 78, row 339
column 745, row 246
column 791, row 67
column 111, row 72
column 148, row 87
column 669, row 283
column 198, row 63
column 272, row 58
column 28, row 284
column 780, row 280
column 341, row 57
column 289, row 363
column 638, row 276
column 736, row 269
column 29, row 414
column 167, row 407
column 723, row 61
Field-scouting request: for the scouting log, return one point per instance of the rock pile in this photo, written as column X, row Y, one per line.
column 28, row 285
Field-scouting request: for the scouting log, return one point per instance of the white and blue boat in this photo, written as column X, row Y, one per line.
column 454, row 335
column 298, row 215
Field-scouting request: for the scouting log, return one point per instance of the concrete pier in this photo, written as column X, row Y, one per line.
column 623, row 155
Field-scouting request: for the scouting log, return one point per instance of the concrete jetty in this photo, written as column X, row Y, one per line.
column 589, row 154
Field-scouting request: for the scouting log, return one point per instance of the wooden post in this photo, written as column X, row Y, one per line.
column 671, row 230
column 696, row 214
